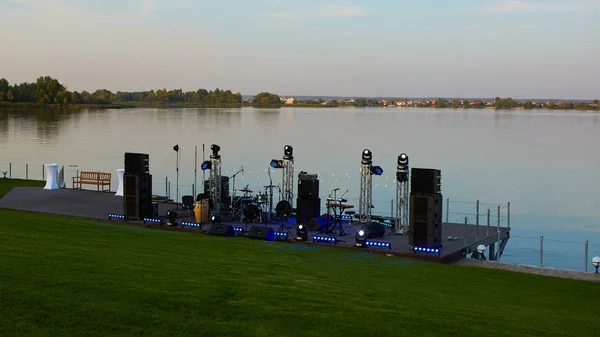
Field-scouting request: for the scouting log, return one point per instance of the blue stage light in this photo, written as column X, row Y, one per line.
column 379, row 244
column 207, row 165
column 376, row 170
column 327, row 239
column 190, row 224
column 115, row 216
column 238, row 229
column 150, row 220
column 281, row 234
column 427, row 250
column 275, row 163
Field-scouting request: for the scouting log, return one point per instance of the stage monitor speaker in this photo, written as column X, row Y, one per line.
column 306, row 209
column 308, row 188
column 425, row 181
column 218, row 229
column 426, row 221
column 374, row 230
column 137, row 163
column 261, row 233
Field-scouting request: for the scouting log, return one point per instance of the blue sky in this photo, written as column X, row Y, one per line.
column 460, row 48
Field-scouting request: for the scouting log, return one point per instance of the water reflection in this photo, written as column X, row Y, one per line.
column 3, row 125
column 49, row 122
column 267, row 116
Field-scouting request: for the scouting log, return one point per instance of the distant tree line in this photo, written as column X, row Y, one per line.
column 47, row 90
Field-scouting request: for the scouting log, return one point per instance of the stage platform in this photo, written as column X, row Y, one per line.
column 458, row 239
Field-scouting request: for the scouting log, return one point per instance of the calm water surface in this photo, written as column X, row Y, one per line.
column 545, row 163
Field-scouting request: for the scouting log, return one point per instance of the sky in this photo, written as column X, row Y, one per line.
column 367, row 48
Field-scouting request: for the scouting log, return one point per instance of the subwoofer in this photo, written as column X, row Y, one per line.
column 425, row 220
column 218, row 229
column 425, row 181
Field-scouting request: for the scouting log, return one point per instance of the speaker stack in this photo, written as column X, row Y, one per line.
column 225, row 196
column 308, row 203
column 425, row 208
column 137, row 187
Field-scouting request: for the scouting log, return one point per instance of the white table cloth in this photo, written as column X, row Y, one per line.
column 51, row 183
column 120, row 173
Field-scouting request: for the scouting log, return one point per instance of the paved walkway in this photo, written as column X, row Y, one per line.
column 589, row 276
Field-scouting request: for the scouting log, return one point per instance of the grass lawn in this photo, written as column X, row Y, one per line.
column 69, row 277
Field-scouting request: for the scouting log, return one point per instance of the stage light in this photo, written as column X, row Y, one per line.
column 151, row 220
column 481, row 250
column 426, row 250
column 288, row 152
column 4, row 172
column 275, row 163
column 176, row 148
column 379, row 244
column 361, row 237
column 367, row 156
column 302, row 232
column 329, row 239
column 171, row 217
column 207, row 165
column 215, row 150
column 403, row 160
column 596, row 263
column 402, row 176
column 376, row 170
column 214, row 219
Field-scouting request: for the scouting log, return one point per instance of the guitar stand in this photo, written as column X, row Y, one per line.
column 283, row 228
column 337, row 222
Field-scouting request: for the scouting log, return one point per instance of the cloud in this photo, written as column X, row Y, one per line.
column 330, row 11
column 542, row 6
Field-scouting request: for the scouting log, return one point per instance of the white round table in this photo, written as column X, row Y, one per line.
column 51, row 183
column 120, row 173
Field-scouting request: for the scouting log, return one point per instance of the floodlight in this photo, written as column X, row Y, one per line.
column 207, row 165
column 4, row 172
column 215, row 150
column 376, row 170
column 367, row 156
column 302, row 232
column 361, row 237
column 275, row 163
column 283, row 208
column 481, row 249
column 403, row 160
column 288, row 152
column 176, row 148
column 596, row 263
column 215, row 219
column 172, row 216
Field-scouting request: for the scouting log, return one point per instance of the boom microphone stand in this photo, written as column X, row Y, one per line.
column 233, row 209
column 176, row 149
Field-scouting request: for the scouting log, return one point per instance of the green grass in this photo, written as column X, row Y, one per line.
column 69, row 277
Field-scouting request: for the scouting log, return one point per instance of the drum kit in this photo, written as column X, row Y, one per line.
column 257, row 208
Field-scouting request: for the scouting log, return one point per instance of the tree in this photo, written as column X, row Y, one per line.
column 266, row 98
column 455, row 104
column 466, row 104
column 4, row 87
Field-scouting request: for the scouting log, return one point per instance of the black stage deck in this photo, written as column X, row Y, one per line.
column 97, row 205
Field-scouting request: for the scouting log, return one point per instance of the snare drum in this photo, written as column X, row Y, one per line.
column 261, row 199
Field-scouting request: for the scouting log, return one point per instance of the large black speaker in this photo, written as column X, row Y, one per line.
column 225, row 197
column 426, row 220
column 137, row 196
column 137, row 163
column 306, row 209
column 425, row 181
column 308, row 188
column 261, row 233
column 218, row 229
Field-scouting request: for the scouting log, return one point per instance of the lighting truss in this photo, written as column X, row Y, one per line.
column 401, row 225
column 215, row 179
column 288, row 180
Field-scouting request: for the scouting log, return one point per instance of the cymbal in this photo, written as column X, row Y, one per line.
column 270, row 186
column 245, row 190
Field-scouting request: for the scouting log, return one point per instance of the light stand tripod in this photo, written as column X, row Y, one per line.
column 233, row 209
column 283, row 209
column 176, row 149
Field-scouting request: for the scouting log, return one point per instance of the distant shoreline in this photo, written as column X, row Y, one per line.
column 82, row 106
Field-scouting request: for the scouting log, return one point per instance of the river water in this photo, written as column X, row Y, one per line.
column 544, row 163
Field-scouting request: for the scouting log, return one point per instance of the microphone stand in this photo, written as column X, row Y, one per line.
column 270, row 194
column 241, row 170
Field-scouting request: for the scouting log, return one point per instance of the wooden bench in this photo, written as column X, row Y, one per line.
column 100, row 179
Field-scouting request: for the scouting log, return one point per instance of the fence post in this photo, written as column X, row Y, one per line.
column 499, row 250
column 392, row 208
column 508, row 214
column 488, row 223
column 167, row 187
column 43, row 173
column 26, row 171
column 541, row 250
column 194, row 190
column 477, row 223
column 447, row 208
column 169, row 190
column 585, row 256
column 466, row 230
column 498, row 217
column 9, row 170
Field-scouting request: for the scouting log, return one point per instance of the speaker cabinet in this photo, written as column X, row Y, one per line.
column 425, row 181
column 221, row 230
column 374, row 230
column 426, row 221
column 137, row 163
column 137, row 197
column 261, row 233
column 308, row 188
column 306, row 209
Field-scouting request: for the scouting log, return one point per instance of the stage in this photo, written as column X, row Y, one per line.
column 458, row 239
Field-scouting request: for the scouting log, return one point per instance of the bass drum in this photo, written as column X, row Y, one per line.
column 251, row 214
